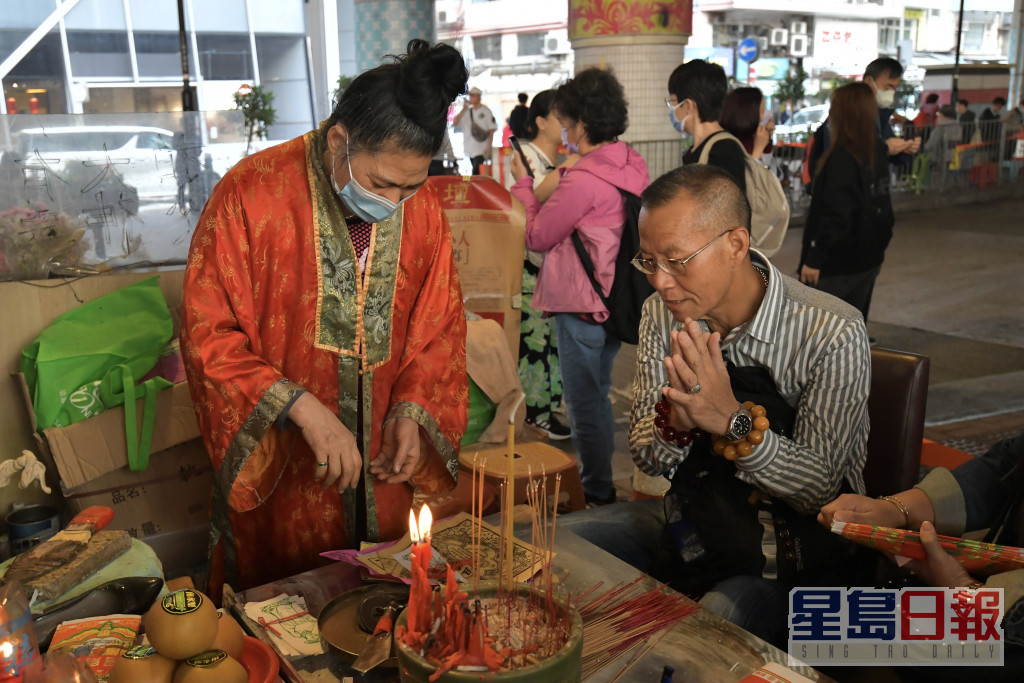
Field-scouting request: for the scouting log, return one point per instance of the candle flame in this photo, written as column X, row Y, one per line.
column 426, row 519
column 414, row 532
column 7, row 649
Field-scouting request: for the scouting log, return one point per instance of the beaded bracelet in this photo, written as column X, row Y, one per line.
column 681, row 438
column 743, row 448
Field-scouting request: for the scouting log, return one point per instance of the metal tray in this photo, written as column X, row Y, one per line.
column 339, row 620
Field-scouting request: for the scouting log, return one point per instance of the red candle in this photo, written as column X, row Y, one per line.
column 420, row 593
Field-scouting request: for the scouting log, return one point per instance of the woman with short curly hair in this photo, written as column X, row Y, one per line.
column 592, row 111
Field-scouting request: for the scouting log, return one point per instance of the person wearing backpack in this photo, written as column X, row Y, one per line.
column 697, row 91
column 850, row 221
column 588, row 202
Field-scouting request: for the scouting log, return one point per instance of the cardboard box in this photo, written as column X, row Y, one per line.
column 504, row 310
column 93, row 447
column 489, row 238
column 173, row 493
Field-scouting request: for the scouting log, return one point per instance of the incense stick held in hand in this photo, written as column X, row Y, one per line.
column 980, row 559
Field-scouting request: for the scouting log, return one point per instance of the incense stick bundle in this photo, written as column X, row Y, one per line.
column 980, row 559
column 619, row 618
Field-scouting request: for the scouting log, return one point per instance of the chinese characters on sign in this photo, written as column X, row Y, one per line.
column 909, row 626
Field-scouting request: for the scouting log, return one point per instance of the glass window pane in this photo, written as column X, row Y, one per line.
column 154, row 16
column 274, row 16
column 27, row 14
column 487, row 47
column 159, row 56
column 531, row 44
column 36, row 83
column 225, row 57
column 99, row 54
column 222, row 16
column 96, row 14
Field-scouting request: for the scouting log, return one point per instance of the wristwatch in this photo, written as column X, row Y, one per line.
column 740, row 424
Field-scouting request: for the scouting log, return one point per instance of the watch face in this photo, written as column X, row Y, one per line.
column 741, row 425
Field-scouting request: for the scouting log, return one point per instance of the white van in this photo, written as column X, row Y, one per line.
column 143, row 156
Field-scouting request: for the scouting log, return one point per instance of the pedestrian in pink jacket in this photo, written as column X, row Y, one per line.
column 592, row 111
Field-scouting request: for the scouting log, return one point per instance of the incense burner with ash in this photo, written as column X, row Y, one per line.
column 525, row 634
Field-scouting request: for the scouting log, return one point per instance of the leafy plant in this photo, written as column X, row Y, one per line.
column 255, row 104
column 791, row 88
column 343, row 82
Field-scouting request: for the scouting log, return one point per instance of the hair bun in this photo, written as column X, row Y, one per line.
column 431, row 77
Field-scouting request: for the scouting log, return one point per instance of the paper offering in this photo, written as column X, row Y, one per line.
column 288, row 623
column 452, row 542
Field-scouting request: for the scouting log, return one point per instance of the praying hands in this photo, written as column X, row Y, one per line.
column 699, row 392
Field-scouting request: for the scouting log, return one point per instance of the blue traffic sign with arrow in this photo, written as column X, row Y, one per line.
column 748, row 50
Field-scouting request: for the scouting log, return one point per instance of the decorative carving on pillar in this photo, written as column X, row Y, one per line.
column 598, row 18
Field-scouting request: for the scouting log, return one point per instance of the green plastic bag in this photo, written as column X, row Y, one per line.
column 87, row 360
column 481, row 413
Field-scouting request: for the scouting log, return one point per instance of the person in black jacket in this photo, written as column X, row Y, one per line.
column 850, row 221
column 517, row 119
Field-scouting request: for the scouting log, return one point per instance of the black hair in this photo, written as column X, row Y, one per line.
column 704, row 83
column 1001, row 101
column 722, row 203
column 884, row 66
column 595, row 98
column 522, row 98
column 540, row 107
column 948, row 111
column 963, row 102
column 932, row 97
column 405, row 102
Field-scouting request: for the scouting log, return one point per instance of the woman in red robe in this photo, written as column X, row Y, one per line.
column 323, row 329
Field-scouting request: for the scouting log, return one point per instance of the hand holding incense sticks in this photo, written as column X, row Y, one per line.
column 979, row 559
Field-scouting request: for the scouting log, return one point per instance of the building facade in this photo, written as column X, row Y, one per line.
column 117, row 56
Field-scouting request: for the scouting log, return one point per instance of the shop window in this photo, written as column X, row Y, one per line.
column 225, row 57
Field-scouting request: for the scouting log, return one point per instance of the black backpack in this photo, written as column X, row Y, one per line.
column 630, row 288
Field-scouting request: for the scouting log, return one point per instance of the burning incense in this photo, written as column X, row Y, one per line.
column 510, row 496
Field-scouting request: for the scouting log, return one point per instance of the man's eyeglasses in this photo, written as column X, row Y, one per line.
column 672, row 266
column 671, row 102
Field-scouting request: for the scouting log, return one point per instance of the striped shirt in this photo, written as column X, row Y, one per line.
column 815, row 347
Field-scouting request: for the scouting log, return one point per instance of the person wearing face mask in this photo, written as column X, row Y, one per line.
column 592, row 110
column 884, row 76
column 323, row 328
column 696, row 92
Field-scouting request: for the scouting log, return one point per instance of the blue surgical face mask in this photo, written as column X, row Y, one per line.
column 571, row 146
column 680, row 126
column 368, row 206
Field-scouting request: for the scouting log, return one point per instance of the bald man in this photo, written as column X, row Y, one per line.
column 724, row 327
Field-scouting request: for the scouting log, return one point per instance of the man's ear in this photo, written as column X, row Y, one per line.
column 739, row 243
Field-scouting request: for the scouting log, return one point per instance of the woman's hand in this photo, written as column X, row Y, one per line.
column 516, row 166
column 332, row 444
column 851, row 507
column 810, row 276
column 399, row 451
column 696, row 361
column 940, row 568
column 762, row 137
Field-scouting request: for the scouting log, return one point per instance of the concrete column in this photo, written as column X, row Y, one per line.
column 642, row 42
column 385, row 27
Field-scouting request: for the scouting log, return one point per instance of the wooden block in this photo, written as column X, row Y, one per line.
column 101, row 550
